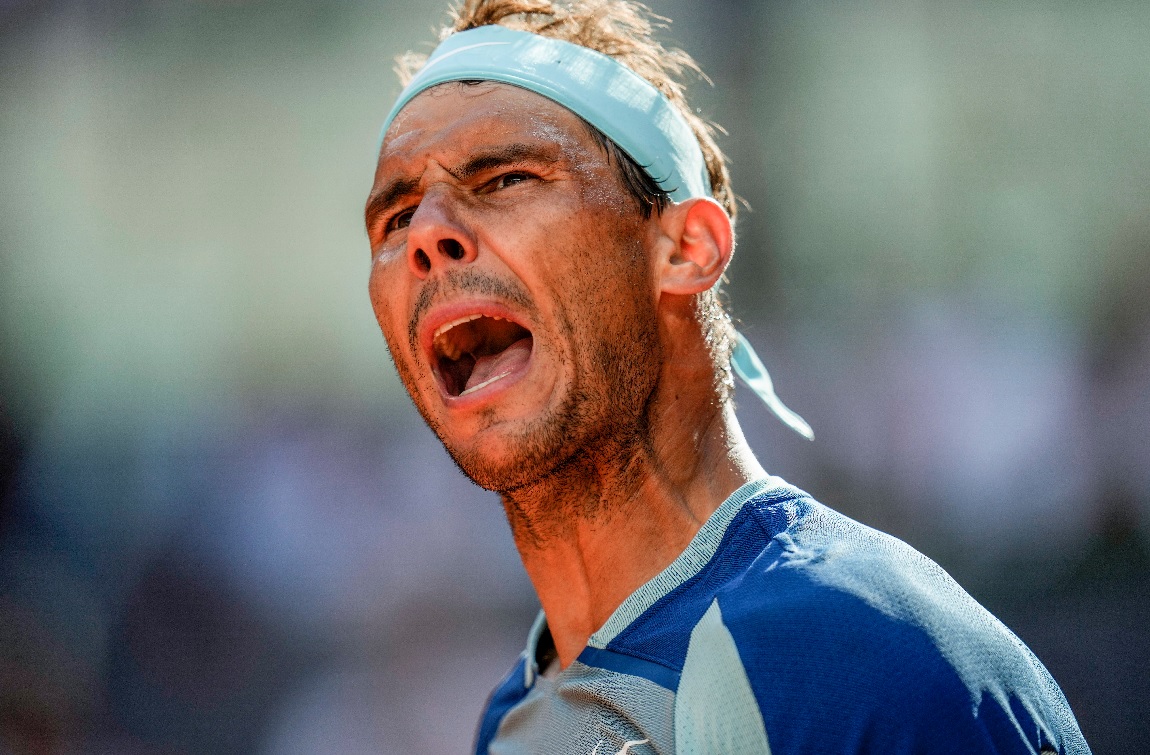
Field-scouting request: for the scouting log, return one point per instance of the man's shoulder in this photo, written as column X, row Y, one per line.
column 833, row 618
column 791, row 573
column 787, row 560
column 832, row 607
column 816, row 568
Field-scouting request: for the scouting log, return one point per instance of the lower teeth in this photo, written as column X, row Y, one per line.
column 485, row 383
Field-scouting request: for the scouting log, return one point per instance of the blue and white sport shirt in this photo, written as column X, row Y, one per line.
column 788, row 628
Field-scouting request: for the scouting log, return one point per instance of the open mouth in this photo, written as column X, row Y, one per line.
column 475, row 351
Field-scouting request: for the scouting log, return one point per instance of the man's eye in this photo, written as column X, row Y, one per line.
column 510, row 179
column 400, row 220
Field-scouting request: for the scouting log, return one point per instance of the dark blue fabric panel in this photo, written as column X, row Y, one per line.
column 832, row 675
column 508, row 694
column 625, row 664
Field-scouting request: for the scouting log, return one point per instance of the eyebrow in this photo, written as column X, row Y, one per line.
column 508, row 154
column 378, row 202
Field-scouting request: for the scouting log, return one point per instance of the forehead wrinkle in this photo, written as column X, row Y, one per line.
column 380, row 200
column 533, row 114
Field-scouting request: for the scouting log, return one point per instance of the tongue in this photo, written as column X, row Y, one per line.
column 497, row 365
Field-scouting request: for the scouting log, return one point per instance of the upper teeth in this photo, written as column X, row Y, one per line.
column 448, row 326
column 449, row 348
column 466, row 318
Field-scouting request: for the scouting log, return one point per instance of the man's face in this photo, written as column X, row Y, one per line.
column 511, row 278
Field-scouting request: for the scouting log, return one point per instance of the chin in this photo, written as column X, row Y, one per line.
column 513, row 455
column 494, row 476
column 503, row 464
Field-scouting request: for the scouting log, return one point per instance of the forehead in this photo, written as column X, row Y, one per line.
column 458, row 115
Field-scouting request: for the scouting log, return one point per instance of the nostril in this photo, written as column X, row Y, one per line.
column 422, row 261
column 451, row 248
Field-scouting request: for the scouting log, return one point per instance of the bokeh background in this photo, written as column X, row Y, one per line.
column 223, row 528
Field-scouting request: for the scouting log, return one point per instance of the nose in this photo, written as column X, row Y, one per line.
column 437, row 236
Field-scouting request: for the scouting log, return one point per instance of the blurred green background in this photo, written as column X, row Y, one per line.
column 223, row 528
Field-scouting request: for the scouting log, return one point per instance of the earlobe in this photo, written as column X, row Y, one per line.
column 700, row 244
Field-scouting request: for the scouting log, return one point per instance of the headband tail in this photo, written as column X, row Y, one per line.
column 750, row 369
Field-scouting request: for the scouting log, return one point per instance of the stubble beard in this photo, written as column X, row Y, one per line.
column 600, row 423
column 569, row 462
column 556, row 466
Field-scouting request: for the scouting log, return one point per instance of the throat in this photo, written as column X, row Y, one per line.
column 601, row 481
column 585, row 565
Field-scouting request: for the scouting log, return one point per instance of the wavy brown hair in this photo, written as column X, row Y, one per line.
column 625, row 31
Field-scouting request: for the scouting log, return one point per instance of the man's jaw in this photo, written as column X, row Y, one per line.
column 475, row 350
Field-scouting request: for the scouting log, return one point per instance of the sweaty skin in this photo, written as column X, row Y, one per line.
column 602, row 428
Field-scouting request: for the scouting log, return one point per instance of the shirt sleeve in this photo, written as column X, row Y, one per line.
column 846, row 671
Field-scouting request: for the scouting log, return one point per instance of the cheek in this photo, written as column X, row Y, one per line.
column 603, row 297
column 383, row 293
column 607, row 262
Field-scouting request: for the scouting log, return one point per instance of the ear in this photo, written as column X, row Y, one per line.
column 697, row 246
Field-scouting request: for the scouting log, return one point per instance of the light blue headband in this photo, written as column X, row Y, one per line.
column 612, row 98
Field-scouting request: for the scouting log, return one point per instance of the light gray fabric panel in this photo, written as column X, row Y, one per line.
column 715, row 710
column 587, row 711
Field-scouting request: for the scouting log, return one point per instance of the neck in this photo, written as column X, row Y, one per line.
column 609, row 520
